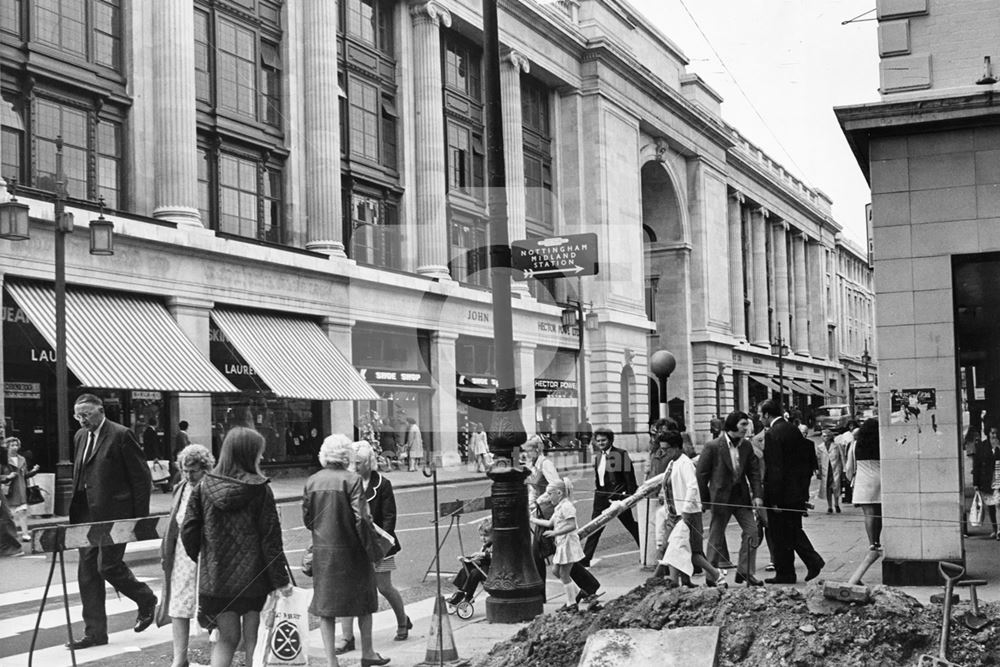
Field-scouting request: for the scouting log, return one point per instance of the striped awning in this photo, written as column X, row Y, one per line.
column 120, row 341
column 293, row 357
column 766, row 381
column 804, row 387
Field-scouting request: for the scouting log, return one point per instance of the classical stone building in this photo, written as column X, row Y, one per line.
column 298, row 189
column 929, row 149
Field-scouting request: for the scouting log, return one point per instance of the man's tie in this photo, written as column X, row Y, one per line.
column 602, row 468
column 89, row 449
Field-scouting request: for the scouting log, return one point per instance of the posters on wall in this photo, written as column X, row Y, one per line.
column 917, row 407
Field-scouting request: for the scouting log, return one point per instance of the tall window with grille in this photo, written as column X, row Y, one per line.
column 537, row 142
column 238, row 78
column 369, row 132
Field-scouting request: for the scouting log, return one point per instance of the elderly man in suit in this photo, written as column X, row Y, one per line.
column 729, row 477
column 790, row 461
column 614, row 479
column 110, row 481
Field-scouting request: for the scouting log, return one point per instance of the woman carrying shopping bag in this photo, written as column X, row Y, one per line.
column 231, row 528
column 15, row 474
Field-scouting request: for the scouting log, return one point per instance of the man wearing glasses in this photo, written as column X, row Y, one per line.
column 110, row 481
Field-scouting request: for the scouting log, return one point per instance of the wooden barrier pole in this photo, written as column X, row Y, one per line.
column 69, row 623
column 41, row 609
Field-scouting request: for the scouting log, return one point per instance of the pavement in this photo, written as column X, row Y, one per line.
column 839, row 538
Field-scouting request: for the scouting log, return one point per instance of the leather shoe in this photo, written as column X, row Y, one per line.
column 780, row 580
column 85, row 642
column 403, row 631
column 366, row 662
column 751, row 580
column 812, row 573
column 145, row 618
column 347, row 646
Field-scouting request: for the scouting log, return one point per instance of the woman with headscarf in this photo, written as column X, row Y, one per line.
column 179, row 601
column 382, row 505
column 335, row 509
column 231, row 528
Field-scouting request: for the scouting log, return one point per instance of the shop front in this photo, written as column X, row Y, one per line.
column 286, row 371
column 557, row 403
column 393, row 362
column 124, row 348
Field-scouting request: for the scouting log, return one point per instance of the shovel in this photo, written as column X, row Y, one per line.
column 951, row 573
column 974, row 620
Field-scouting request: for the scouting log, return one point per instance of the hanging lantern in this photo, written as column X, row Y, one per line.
column 14, row 217
column 102, row 237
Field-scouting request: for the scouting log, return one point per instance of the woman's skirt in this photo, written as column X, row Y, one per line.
column 868, row 483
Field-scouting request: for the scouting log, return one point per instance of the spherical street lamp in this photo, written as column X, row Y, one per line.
column 662, row 363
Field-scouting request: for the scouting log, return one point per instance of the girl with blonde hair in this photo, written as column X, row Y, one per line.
column 562, row 526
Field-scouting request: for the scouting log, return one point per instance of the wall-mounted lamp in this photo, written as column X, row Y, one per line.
column 13, row 216
column 102, row 237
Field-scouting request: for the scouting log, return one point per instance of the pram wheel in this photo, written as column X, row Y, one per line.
column 465, row 610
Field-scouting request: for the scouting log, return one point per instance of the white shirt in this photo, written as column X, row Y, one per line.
column 734, row 452
column 684, row 485
column 93, row 448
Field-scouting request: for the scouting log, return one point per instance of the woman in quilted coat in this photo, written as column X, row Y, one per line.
column 335, row 509
column 231, row 529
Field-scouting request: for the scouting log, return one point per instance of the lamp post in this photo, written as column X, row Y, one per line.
column 574, row 315
column 14, row 225
column 516, row 588
column 779, row 348
column 662, row 363
column 866, row 359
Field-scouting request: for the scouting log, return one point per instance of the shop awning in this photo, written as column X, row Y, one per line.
column 766, row 381
column 804, row 387
column 120, row 341
column 293, row 357
column 857, row 377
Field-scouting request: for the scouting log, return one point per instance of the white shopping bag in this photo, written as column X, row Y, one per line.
column 976, row 511
column 678, row 553
column 283, row 637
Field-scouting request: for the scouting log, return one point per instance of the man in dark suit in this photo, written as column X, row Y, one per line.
column 789, row 463
column 614, row 479
column 729, row 478
column 110, row 481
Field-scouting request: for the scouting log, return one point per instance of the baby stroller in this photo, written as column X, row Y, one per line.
column 467, row 581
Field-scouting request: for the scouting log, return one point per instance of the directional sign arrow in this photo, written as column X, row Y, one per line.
column 528, row 273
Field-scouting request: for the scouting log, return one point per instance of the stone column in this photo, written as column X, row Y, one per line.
column 192, row 317
column 175, row 125
column 761, row 334
column 324, row 208
column 736, row 269
column 524, row 380
column 431, row 184
column 779, row 243
column 816, row 267
column 338, row 416
column 801, row 338
column 511, row 67
column 3, row 377
column 444, row 403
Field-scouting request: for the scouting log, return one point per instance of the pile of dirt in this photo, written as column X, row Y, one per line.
column 765, row 626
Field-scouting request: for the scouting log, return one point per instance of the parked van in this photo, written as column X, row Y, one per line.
column 834, row 417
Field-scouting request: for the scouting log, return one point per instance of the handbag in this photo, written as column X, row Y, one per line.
column 307, row 561
column 159, row 471
column 33, row 495
column 976, row 510
column 377, row 542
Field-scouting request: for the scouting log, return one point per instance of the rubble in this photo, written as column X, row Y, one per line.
column 770, row 627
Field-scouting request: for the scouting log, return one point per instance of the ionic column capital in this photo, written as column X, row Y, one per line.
column 517, row 61
column 781, row 224
column 761, row 211
column 430, row 12
column 737, row 196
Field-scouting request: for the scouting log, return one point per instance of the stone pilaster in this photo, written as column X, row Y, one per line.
column 324, row 208
column 781, row 300
column 430, row 177
column 338, row 416
column 758, row 237
column 524, row 381
column 800, row 342
column 817, row 299
column 511, row 67
column 738, row 317
column 175, row 125
column 192, row 317
column 444, row 403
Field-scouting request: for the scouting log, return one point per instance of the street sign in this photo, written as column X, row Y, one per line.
column 555, row 257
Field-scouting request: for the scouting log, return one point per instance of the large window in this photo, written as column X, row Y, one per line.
column 238, row 65
column 368, row 22
column 241, row 195
column 88, row 29
column 373, row 228
column 537, row 157
column 462, row 63
column 12, row 148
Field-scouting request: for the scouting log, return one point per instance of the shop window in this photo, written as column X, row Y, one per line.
column 87, row 29
column 374, row 231
column 470, row 253
column 92, row 151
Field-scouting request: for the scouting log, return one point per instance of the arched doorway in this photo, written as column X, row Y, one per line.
column 666, row 269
